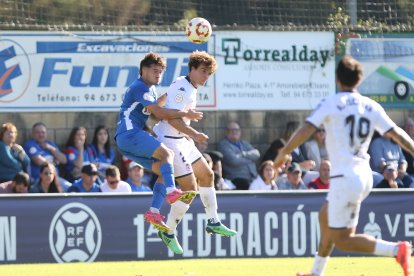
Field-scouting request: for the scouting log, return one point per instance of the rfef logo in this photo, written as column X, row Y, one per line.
column 15, row 70
column 75, row 234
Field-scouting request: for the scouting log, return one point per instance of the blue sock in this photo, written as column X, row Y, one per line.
column 158, row 196
column 167, row 172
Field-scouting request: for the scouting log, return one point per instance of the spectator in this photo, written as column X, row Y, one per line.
column 294, row 179
column 13, row 158
column 113, row 182
column 135, row 174
column 78, row 153
column 391, row 179
column 266, row 178
column 239, row 158
column 87, row 182
column 322, row 182
column 19, row 184
column 41, row 150
column 409, row 128
column 48, row 181
column 298, row 155
column 273, row 150
column 315, row 148
column 104, row 154
column 383, row 151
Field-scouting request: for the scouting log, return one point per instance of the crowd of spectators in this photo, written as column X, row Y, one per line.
column 39, row 166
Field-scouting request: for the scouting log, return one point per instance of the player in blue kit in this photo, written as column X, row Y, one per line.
column 135, row 142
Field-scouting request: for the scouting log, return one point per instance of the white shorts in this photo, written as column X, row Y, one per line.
column 346, row 193
column 185, row 154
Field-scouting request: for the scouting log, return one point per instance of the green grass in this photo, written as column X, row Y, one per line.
column 346, row 266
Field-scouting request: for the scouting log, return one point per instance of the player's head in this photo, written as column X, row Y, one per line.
column 151, row 68
column 201, row 66
column 348, row 72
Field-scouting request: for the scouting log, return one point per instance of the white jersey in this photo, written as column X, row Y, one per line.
column 350, row 120
column 182, row 95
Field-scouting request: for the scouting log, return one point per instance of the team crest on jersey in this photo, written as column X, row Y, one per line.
column 148, row 97
column 179, row 98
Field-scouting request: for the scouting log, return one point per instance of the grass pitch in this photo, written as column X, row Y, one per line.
column 346, row 266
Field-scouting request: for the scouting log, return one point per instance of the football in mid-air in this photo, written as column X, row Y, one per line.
column 198, row 30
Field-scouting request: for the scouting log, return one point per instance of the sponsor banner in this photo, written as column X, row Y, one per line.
column 89, row 228
column 90, row 72
column 274, row 70
column 85, row 71
column 388, row 66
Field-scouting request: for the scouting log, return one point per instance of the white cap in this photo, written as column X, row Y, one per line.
column 134, row 164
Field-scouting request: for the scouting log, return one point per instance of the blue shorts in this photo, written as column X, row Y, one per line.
column 139, row 146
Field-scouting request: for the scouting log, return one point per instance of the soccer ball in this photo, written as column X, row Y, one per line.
column 198, row 30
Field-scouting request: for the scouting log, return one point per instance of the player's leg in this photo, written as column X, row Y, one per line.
column 343, row 215
column 205, row 177
column 325, row 244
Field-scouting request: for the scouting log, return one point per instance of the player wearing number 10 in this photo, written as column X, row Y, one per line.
column 350, row 120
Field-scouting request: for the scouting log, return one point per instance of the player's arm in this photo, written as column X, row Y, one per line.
column 297, row 139
column 181, row 126
column 165, row 114
column 401, row 137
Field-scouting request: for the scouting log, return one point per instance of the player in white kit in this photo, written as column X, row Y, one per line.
column 189, row 165
column 350, row 120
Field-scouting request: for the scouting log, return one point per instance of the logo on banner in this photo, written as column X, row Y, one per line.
column 372, row 228
column 75, row 234
column 15, row 71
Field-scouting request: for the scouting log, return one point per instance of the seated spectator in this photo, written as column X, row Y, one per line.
column 13, row 158
column 48, row 181
column 104, row 154
column 315, row 148
column 266, row 178
column 391, row 179
column 41, row 150
column 220, row 183
column 113, row 182
column 383, row 151
column 294, row 179
column 298, row 155
column 135, row 174
column 87, row 182
column 273, row 150
column 409, row 128
column 322, row 182
column 19, row 184
column 239, row 158
column 78, row 153
column 148, row 179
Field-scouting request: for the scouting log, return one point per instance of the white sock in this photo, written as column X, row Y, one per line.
column 154, row 210
column 319, row 265
column 209, row 199
column 177, row 212
column 170, row 189
column 385, row 248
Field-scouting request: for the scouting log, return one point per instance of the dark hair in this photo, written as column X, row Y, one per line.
column 22, row 178
column 71, row 139
column 272, row 151
column 349, row 71
column 152, row 58
column 35, row 125
column 107, row 145
column 53, row 187
column 112, row 170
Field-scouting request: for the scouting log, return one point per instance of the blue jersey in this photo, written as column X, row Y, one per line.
column 77, row 187
column 101, row 160
column 32, row 148
column 133, row 113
